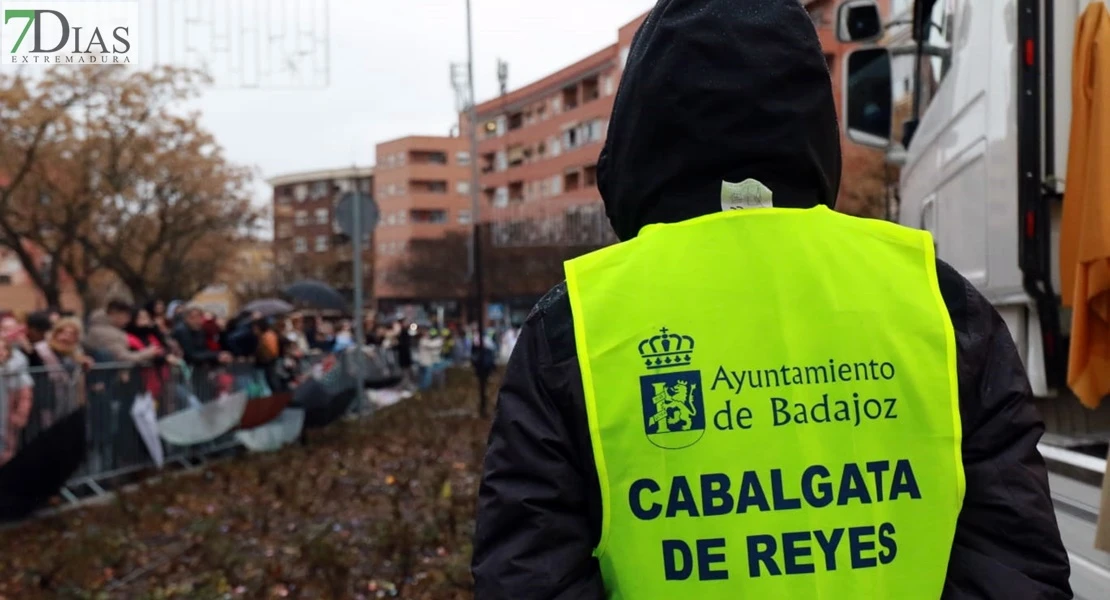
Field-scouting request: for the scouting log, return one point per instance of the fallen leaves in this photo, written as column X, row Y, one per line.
column 379, row 508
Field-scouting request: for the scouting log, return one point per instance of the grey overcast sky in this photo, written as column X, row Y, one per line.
column 390, row 75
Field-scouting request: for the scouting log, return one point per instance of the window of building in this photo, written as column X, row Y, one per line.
column 570, row 97
column 591, row 89
column 486, row 162
column 320, row 189
column 556, row 185
column 428, row 186
column 322, row 216
column 462, row 157
column 501, row 196
column 428, row 216
column 462, row 187
column 502, row 161
column 515, row 155
column 556, row 105
column 428, row 157
column 624, row 56
column 489, row 130
column 589, row 176
column 556, row 146
column 365, row 185
column 284, row 230
column 572, row 180
column 463, row 217
column 300, row 218
column 595, row 130
column 321, row 243
column 571, row 138
column 300, row 192
column 300, row 246
column 608, row 87
column 516, row 121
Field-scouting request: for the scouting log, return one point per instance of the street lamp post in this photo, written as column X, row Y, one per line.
column 475, row 205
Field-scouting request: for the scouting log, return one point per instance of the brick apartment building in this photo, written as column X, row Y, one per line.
column 307, row 243
column 537, row 156
column 538, row 145
column 422, row 187
column 538, row 149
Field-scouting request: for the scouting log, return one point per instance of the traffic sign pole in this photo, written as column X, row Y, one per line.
column 360, row 336
column 357, row 215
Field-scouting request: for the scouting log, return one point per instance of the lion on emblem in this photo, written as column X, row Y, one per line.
column 674, row 404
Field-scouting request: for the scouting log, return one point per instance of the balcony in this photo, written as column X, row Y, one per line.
column 423, row 186
column 427, row 157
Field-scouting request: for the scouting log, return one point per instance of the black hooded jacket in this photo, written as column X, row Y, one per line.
column 726, row 90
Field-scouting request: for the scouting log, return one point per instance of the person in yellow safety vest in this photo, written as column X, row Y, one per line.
column 448, row 343
column 752, row 396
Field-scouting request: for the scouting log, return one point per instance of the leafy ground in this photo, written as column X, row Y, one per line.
column 377, row 508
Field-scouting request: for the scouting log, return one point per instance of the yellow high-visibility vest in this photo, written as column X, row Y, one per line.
column 773, row 408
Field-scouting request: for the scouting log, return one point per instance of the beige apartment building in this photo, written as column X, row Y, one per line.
column 422, row 186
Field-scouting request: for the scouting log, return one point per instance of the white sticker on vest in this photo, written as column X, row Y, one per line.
column 746, row 194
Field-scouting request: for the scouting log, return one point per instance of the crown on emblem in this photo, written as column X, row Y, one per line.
column 667, row 350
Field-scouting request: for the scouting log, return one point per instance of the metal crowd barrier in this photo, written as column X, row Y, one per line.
column 115, row 449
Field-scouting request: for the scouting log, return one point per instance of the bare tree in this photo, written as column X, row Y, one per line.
column 104, row 174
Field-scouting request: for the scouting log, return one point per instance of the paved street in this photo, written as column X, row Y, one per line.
column 1076, row 511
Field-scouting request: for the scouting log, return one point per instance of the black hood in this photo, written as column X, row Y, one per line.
column 715, row 91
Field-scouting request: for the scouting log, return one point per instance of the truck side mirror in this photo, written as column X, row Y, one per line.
column 868, row 97
column 859, row 21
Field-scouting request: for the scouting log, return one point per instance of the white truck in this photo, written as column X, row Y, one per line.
column 972, row 99
column 983, row 92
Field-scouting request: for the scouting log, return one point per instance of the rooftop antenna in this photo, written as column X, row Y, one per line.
column 503, row 76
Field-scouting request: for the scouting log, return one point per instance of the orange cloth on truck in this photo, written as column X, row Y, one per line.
column 1085, row 228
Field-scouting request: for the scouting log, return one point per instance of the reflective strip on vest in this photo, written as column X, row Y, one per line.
column 773, row 408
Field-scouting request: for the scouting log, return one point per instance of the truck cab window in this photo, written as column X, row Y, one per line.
column 935, row 68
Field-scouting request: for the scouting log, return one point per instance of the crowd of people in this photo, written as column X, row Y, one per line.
column 53, row 361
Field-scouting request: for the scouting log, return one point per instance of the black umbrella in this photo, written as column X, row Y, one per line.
column 321, row 406
column 316, row 294
column 379, row 371
column 42, row 467
column 269, row 307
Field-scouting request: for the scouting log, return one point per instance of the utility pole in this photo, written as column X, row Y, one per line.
column 475, row 202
